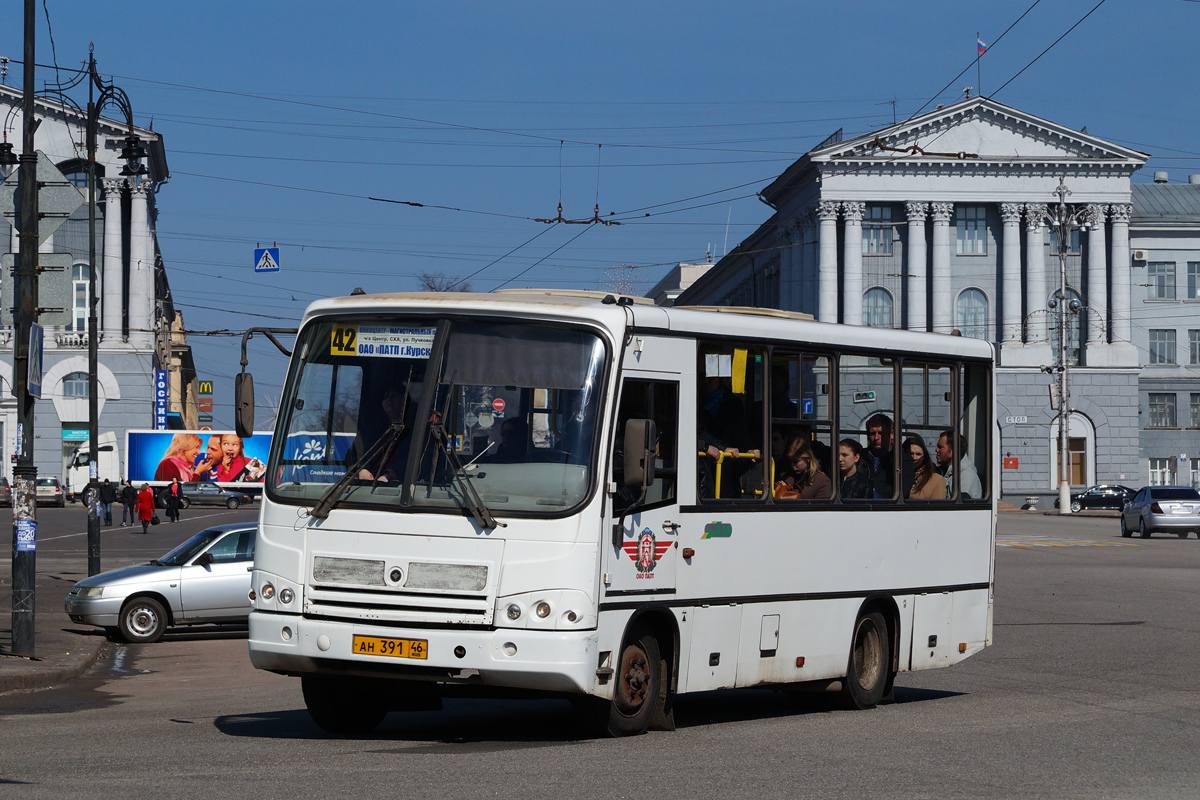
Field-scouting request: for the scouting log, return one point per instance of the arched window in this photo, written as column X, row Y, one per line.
column 75, row 385
column 971, row 316
column 877, row 308
column 79, row 297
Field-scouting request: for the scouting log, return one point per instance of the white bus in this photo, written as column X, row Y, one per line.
column 594, row 497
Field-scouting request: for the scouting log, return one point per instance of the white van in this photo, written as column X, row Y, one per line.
column 108, row 465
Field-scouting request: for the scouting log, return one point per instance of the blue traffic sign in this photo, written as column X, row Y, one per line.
column 266, row 259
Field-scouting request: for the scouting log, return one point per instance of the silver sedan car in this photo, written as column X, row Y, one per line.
column 202, row 581
column 1171, row 509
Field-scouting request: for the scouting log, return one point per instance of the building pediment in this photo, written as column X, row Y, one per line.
column 982, row 130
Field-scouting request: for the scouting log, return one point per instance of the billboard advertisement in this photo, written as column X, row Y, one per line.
column 220, row 457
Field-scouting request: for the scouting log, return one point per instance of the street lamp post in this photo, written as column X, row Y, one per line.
column 1063, row 219
column 132, row 153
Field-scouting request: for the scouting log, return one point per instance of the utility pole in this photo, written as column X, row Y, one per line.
column 24, row 552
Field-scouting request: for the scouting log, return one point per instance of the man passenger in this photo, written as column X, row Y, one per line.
column 972, row 488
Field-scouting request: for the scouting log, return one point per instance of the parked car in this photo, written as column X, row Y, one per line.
column 49, row 492
column 5, row 493
column 205, row 580
column 1105, row 495
column 207, row 494
column 1173, row 509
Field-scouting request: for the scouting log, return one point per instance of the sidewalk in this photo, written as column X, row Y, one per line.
column 62, row 649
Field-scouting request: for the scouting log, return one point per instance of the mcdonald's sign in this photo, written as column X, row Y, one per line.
column 206, row 387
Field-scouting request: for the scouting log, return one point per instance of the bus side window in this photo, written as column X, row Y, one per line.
column 975, row 435
column 866, row 415
column 801, row 422
column 925, row 393
column 658, row 401
column 729, row 422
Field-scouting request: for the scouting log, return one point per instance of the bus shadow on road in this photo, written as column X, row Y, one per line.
column 475, row 725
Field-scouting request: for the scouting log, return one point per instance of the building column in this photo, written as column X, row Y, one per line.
column 1037, row 318
column 943, row 303
column 1010, row 328
column 1123, row 351
column 827, row 288
column 113, row 301
column 852, row 265
column 1097, row 296
column 141, row 269
column 915, row 267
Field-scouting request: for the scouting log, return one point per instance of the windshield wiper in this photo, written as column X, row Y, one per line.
column 156, row 563
column 437, row 429
column 386, row 443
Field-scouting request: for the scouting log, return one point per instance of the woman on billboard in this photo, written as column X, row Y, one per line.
column 177, row 461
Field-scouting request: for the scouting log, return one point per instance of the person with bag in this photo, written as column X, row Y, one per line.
column 803, row 478
column 129, row 498
column 145, row 507
column 174, row 500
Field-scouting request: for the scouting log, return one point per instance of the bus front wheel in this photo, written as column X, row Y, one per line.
column 638, row 682
column 342, row 705
column 870, row 661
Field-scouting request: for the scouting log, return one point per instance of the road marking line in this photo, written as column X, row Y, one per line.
column 1067, row 544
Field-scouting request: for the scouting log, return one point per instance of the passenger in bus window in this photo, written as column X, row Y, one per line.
column 855, row 470
column 721, row 428
column 397, row 400
column 927, row 483
column 880, row 441
column 971, row 489
column 803, row 479
column 514, row 441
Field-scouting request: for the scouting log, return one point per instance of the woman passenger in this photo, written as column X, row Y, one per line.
column 856, row 475
column 803, row 478
column 927, row 483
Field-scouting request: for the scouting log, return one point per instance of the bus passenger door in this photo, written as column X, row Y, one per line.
column 641, row 547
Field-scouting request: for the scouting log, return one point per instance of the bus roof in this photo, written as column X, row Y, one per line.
column 616, row 312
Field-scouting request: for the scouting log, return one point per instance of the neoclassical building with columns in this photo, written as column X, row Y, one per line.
column 939, row 224
column 136, row 314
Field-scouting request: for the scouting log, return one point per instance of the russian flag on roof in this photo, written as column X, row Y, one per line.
column 982, row 47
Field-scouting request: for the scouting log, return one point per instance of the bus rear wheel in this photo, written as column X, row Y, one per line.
column 867, row 672
column 342, row 705
column 638, row 682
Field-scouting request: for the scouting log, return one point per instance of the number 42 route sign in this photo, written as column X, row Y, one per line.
column 266, row 259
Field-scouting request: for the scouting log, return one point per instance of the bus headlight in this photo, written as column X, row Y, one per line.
column 543, row 609
column 514, row 612
column 268, row 591
column 286, row 595
column 549, row 609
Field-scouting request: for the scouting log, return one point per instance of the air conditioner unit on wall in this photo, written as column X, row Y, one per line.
column 1140, row 255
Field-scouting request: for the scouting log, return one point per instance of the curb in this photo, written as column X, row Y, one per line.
column 44, row 679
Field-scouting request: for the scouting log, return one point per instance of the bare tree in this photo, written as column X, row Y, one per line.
column 440, row 282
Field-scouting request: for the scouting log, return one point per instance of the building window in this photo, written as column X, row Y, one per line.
column 971, row 222
column 75, row 385
column 1193, row 280
column 1162, row 345
column 1162, row 472
column 877, row 308
column 1161, row 280
column 971, row 314
column 877, row 231
column 1195, row 406
column 1194, row 347
column 1162, row 410
column 79, row 295
column 1072, row 242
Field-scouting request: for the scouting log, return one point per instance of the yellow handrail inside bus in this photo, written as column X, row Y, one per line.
column 721, row 459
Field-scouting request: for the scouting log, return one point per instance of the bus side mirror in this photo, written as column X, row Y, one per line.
column 640, row 438
column 243, row 404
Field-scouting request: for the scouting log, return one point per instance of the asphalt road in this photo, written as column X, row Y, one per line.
column 1088, row 691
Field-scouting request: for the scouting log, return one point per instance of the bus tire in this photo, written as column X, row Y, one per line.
column 341, row 705
column 639, row 680
column 870, row 663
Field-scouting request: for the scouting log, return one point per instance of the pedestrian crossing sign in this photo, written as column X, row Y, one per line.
column 266, row 259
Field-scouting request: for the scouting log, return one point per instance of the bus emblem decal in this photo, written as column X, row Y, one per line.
column 717, row 530
column 646, row 552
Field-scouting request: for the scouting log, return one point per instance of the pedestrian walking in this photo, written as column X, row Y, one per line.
column 174, row 500
column 108, row 496
column 145, row 507
column 129, row 497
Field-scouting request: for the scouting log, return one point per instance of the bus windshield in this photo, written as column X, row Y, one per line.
column 438, row 414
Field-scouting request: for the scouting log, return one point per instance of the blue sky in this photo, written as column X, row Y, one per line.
column 281, row 119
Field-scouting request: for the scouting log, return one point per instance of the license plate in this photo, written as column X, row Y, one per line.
column 393, row 648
